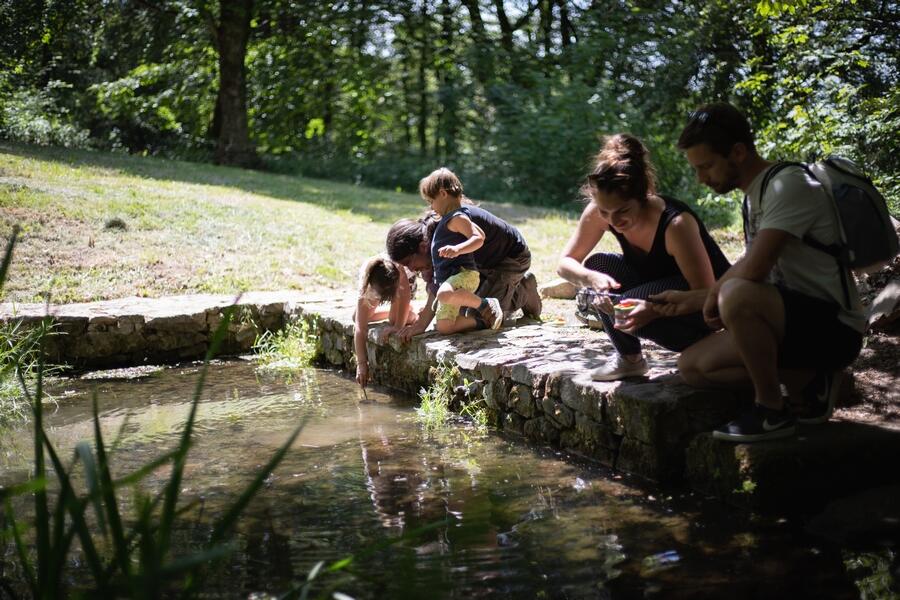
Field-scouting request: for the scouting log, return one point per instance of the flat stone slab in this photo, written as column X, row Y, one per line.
column 532, row 377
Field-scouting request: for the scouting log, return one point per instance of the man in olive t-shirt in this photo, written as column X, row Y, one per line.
column 780, row 307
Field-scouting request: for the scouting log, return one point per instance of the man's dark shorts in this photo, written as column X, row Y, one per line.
column 502, row 281
column 814, row 338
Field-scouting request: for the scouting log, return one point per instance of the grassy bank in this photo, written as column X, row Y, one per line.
column 192, row 228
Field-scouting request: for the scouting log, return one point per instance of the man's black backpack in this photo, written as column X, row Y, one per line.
column 867, row 236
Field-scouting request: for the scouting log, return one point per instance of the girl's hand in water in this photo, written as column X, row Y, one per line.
column 362, row 374
column 640, row 315
column 448, row 252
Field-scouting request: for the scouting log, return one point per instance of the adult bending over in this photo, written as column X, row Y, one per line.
column 664, row 245
column 502, row 262
column 782, row 305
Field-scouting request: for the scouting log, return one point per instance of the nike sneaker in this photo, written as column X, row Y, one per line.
column 758, row 425
column 819, row 398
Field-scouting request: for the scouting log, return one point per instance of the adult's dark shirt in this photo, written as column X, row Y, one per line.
column 501, row 240
column 658, row 263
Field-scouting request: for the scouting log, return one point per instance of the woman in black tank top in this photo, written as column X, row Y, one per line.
column 664, row 246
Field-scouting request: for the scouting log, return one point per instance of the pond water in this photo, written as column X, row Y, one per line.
column 512, row 521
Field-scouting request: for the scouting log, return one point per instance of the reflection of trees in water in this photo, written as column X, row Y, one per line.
column 266, row 555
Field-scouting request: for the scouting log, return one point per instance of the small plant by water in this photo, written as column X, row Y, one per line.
column 435, row 402
column 19, row 348
column 19, row 345
column 289, row 349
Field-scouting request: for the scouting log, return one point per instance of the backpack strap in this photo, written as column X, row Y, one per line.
column 775, row 170
column 838, row 251
column 837, row 167
column 770, row 174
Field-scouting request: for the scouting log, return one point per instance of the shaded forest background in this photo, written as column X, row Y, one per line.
column 512, row 94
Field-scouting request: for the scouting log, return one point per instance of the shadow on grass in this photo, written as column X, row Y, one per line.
column 383, row 206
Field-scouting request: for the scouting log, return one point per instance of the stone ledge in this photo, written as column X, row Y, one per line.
column 802, row 474
column 137, row 331
column 535, row 381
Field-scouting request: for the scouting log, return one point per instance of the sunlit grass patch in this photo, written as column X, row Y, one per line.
column 286, row 350
column 434, row 402
column 194, row 228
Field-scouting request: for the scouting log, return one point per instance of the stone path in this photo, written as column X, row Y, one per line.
column 533, row 378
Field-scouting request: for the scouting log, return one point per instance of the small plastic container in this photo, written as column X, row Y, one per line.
column 623, row 310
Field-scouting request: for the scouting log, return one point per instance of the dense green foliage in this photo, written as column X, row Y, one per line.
column 512, row 94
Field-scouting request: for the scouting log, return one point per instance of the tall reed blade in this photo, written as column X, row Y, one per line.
column 92, row 479
column 76, row 508
column 226, row 522
column 108, row 494
column 21, row 550
column 174, row 485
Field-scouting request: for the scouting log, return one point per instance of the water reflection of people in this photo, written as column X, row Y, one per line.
column 400, row 492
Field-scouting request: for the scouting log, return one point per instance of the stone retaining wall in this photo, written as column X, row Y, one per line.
column 534, row 379
column 137, row 331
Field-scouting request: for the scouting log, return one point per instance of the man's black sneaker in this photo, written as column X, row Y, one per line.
column 819, row 397
column 758, row 425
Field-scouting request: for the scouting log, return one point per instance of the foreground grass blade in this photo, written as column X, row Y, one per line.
column 226, row 522
column 188, row 563
column 7, row 255
column 144, row 470
column 41, row 510
column 108, row 493
column 76, row 513
column 21, row 551
column 26, row 487
column 92, row 478
column 301, row 591
column 224, row 525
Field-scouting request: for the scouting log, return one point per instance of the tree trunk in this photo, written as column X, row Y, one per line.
column 233, row 144
column 484, row 59
column 424, row 39
column 445, row 143
column 546, row 27
column 566, row 31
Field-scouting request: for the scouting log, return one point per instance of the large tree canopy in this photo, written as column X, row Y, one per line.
column 514, row 94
